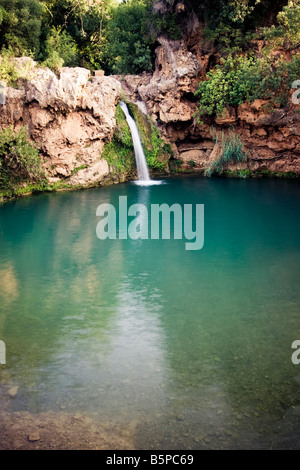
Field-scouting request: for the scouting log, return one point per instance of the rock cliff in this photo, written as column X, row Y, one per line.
column 70, row 118
column 272, row 140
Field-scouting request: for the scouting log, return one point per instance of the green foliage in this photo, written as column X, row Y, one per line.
column 2, row 14
column 271, row 79
column 31, row 188
column 83, row 27
column 275, row 174
column 288, row 30
column 128, row 50
column 35, row 188
column 92, row 53
column 232, row 148
column 239, row 79
column 78, row 168
column 232, row 152
column 60, row 49
column 167, row 24
column 157, row 152
column 175, row 165
column 8, row 71
column 119, row 152
column 230, row 23
column 19, row 159
column 54, row 62
column 246, row 173
column 226, row 85
column 245, row 79
column 120, row 38
column 98, row 34
column 20, row 25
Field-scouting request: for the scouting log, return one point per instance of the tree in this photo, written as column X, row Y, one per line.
column 85, row 21
column 20, row 25
column 60, row 49
column 129, row 48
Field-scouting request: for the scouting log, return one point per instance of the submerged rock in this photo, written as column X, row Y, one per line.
column 12, row 392
column 34, row 437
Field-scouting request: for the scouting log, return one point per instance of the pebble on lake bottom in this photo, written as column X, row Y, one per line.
column 34, row 437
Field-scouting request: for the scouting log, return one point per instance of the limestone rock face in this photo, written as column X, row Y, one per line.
column 166, row 93
column 57, row 93
column 70, row 117
column 271, row 138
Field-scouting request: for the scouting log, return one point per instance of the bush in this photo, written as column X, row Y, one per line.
column 60, row 49
column 54, row 62
column 128, row 45
column 230, row 23
column 8, row 71
column 245, row 79
column 241, row 79
column 271, row 79
column 167, row 24
column 226, row 86
column 232, row 149
column 232, row 152
column 157, row 152
column 288, row 30
column 19, row 159
column 20, row 27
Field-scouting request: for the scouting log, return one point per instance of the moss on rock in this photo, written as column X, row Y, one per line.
column 157, row 151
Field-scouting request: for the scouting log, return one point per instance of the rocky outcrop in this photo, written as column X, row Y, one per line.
column 271, row 138
column 70, row 117
column 168, row 93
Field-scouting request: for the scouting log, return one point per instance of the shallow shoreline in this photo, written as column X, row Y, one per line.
column 60, row 431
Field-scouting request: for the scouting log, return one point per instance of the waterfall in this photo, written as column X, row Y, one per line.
column 142, row 168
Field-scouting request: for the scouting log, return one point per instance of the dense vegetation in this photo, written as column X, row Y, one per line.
column 19, row 160
column 120, row 36
column 92, row 33
column 246, row 78
column 245, row 75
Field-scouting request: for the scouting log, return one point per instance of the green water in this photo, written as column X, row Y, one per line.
column 191, row 349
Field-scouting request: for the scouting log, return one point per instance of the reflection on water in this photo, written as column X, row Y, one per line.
column 189, row 349
column 9, row 291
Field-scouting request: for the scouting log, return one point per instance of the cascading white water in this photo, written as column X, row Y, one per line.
column 142, row 168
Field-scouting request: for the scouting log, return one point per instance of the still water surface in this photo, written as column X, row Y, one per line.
column 192, row 347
